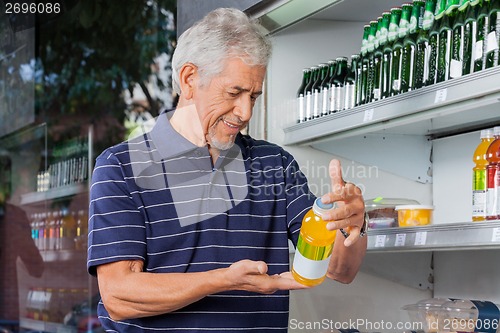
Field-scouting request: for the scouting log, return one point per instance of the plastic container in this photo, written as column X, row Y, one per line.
column 382, row 212
column 469, row 316
column 426, row 313
column 414, row 215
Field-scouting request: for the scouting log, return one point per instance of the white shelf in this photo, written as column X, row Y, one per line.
column 54, row 193
column 45, row 326
column 458, row 105
column 64, row 255
column 456, row 236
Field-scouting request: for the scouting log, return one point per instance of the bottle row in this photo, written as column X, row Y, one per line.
column 412, row 46
column 53, row 304
column 59, row 229
column 63, row 173
column 486, row 177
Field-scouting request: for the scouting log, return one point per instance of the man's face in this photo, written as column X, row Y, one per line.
column 225, row 103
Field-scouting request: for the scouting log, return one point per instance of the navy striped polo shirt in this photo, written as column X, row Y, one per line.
column 160, row 199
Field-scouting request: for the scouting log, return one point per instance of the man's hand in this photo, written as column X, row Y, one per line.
column 252, row 276
column 349, row 214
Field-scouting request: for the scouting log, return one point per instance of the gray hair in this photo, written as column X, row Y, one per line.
column 222, row 33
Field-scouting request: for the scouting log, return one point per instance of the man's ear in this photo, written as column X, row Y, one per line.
column 188, row 79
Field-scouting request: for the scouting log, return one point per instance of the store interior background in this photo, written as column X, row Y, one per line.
column 100, row 68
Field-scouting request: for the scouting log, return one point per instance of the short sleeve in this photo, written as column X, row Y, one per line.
column 298, row 197
column 116, row 224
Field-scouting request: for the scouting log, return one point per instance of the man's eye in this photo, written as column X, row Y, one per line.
column 233, row 94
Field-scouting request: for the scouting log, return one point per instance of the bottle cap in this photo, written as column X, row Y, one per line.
column 320, row 208
column 496, row 130
column 487, row 133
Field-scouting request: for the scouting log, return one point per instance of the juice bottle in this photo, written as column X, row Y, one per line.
column 314, row 246
column 492, row 194
column 479, row 184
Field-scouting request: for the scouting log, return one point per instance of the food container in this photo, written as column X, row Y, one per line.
column 382, row 213
column 468, row 316
column 414, row 215
column 425, row 314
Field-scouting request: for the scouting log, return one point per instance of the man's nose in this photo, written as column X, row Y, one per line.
column 243, row 109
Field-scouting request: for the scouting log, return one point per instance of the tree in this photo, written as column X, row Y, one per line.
column 94, row 50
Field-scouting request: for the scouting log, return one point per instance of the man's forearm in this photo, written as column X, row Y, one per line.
column 346, row 261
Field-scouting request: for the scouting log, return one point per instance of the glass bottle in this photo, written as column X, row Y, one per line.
column 481, row 35
column 434, row 41
column 370, row 59
column 493, row 43
column 385, row 81
column 337, row 87
column 309, row 92
column 469, row 40
column 479, row 183
column 314, row 246
column 301, row 103
column 350, row 83
column 445, row 41
column 325, row 88
column 423, row 49
column 365, row 64
column 383, row 31
column 409, row 50
column 397, row 49
column 492, row 193
column 457, row 44
column 316, row 90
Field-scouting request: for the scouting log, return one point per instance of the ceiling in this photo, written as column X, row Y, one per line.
column 357, row 10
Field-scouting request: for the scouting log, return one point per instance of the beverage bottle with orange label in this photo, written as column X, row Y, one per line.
column 314, row 246
column 479, row 183
column 492, row 194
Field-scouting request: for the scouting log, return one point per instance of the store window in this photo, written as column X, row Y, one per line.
column 75, row 77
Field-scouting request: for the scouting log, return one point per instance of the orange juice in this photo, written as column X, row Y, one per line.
column 314, row 246
column 479, row 184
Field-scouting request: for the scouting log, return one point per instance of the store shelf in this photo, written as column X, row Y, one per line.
column 458, row 105
column 45, row 326
column 456, row 236
column 64, row 255
column 54, row 193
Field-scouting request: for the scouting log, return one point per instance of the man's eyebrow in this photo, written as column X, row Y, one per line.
column 241, row 89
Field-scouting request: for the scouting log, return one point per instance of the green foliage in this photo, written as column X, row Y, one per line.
column 97, row 49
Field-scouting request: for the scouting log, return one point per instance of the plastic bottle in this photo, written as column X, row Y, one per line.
column 314, row 246
column 492, row 194
column 479, row 184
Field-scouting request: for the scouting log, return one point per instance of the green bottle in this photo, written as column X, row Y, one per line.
column 397, row 49
column 350, row 83
column 383, row 31
column 316, row 90
column 470, row 32
column 364, row 64
column 338, row 89
column 434, row 41
column 385, row 81
column 483, row 23
column 309, row 92
column 445, row 41
column 306, row 74
column 325, row 88
column 493, row 34
column 423, row 48
column 458, row 41
column 410, row 47
column 370, row 61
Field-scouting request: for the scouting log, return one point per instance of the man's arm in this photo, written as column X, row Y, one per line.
column 348, row 253
column 129, row 292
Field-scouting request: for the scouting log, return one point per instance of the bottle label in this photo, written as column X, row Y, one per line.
column 349, row 96
column 478, row 50
column 455, row 69
column 309, row 105
column 310, row 261
column 428, row 20
column 316, row 103
column 491, row 43
column 492, row 193
column 479, row 203
column 324, row 101
column 393, row 31
column 339, row 98
column 301, row 103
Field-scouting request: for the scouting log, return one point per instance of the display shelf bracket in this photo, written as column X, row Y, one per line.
column 388, row 152
column 413, row 269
